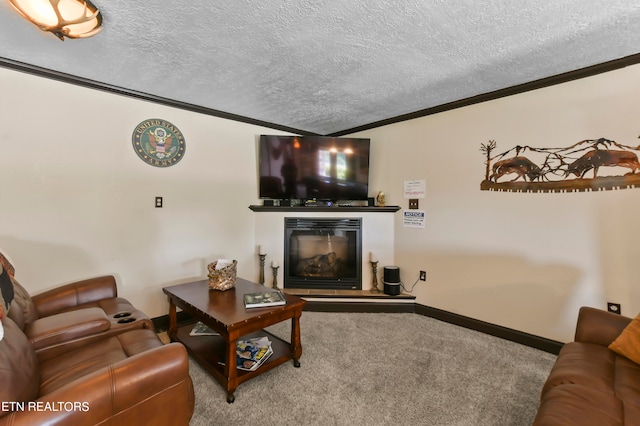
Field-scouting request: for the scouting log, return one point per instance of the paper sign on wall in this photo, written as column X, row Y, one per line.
column 414, row 188
column 413, row 218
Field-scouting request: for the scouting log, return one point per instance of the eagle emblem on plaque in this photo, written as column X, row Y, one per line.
column 158, row 143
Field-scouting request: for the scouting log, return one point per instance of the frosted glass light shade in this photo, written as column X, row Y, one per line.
column 63, row 18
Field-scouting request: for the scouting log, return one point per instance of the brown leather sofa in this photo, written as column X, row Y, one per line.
column 81, row 355
column 77, row 313
column 129, row 378
column 590, row 384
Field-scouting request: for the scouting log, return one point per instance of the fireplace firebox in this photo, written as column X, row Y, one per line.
column 323, row 253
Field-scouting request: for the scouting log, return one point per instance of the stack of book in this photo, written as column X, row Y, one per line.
column 252, row 353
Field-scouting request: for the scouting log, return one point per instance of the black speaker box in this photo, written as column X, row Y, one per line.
column 391, row 274
column 391, row 280
column 392, row 289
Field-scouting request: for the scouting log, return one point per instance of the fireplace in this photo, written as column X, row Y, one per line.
column 323, row 253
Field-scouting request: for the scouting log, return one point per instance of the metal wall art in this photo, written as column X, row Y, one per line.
column 589, row 165
column 158, row 142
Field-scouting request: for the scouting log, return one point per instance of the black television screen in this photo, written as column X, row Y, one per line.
column 313, row 167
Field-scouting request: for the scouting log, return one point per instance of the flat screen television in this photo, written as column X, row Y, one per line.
column 313, row 167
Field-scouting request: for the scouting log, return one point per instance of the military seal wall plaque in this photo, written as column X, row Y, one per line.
column 158, row 142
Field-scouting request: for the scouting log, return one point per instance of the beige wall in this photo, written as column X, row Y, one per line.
column 77, row 201
column 525, row 261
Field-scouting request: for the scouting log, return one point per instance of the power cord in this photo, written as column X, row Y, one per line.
column 414, row 284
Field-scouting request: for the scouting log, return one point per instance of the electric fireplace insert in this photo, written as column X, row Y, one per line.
column 323, row 253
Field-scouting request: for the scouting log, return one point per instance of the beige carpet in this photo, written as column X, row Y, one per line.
column 383, row 369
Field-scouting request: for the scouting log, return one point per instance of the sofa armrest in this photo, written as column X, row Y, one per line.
column 598, row 326
column 152, row 387
column 66, row 326
column 77, row 293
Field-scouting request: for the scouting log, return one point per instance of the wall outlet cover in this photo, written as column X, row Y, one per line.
column 613, row 307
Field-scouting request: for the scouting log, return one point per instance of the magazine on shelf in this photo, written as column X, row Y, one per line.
column 250, row 358
column 264, row 299
column 252, row 353
column 201, row 329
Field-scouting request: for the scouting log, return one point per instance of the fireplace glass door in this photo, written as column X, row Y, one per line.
column 323, row 253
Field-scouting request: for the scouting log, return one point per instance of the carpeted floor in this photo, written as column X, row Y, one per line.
column 384, row 369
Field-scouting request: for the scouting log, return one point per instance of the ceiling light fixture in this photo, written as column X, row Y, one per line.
column 63, row 18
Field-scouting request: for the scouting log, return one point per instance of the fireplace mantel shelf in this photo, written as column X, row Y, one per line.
column 358, row 209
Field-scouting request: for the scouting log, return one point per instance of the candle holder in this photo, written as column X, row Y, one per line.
column 374, row 273
column 262, row 257
column 275, row 276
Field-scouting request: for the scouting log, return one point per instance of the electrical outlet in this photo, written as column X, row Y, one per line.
column 423, row 275
column 613, row 307
column 158, row 202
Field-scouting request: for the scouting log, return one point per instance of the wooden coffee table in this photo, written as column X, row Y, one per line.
column 225, row 313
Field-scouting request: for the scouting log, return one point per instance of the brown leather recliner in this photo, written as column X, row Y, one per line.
column 126, row 378
column 79, row 354
column 77, row 313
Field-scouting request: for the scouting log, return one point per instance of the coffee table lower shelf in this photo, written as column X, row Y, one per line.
column 209, row 352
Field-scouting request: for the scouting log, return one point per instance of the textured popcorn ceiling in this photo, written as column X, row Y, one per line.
column 325, row 66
